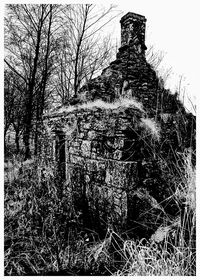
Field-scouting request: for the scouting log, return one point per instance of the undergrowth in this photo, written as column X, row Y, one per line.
column 45, row 236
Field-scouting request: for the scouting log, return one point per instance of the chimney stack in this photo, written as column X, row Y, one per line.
column 133, row 31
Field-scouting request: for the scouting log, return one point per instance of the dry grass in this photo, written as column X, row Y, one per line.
column 150, row 259
column 151, row 127
column 42, row 233
column 186, row 186
column 123, row 102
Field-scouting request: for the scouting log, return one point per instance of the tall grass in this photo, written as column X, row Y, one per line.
column 44, row 235
column 171, row 249
column 36, row 218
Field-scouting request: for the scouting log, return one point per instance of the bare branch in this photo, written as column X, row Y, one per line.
column 14, row 70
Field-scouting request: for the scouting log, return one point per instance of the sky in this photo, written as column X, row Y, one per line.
column 172, row 28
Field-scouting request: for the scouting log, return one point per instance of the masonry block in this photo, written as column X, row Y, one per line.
column 86, row 148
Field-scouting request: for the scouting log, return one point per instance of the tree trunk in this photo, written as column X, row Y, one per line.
column 5, row 145
column 26, row 139
column 36, row 131
column 17, row 141
column 76, row 71
column 41, row 96
column 29, row 105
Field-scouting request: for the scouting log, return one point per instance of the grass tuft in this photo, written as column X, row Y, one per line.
column 44, row 236
column 152, row 127
column 123, row 102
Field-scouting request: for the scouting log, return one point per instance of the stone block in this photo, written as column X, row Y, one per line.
column 86, row 148
column 87, row 178
column 121, row 174
column 93, row 155
column 123, row 124
column 86, row 125
column 91, row 135
column 76, row 159
column 117, row 155
column 81, row 135
column 71, row 150
column 100, row 125
column 76, row 144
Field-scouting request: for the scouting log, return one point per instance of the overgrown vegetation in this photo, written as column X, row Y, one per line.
column 51, row 51
column 44, row 236
column 122, row 102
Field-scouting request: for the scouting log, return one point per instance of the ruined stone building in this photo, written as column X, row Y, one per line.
column 109, row 145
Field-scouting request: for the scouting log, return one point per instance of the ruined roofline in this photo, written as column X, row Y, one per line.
column 132, row 15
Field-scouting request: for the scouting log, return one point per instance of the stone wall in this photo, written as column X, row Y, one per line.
column 108, row 143
column 101, row 150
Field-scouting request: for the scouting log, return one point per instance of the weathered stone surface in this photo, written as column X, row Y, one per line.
column 86, row 148
column 110, row 148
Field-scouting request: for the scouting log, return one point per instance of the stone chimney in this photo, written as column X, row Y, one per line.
column 133, row 31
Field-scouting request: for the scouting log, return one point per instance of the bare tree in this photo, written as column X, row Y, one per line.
column 30, row 47
column 10, row 98
column 52, row 50
column 155, row 59
column 85, row 50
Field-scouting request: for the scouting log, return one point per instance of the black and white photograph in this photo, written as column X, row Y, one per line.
column 99, row 124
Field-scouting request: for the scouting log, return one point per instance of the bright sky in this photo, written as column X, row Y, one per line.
column 172, row 27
